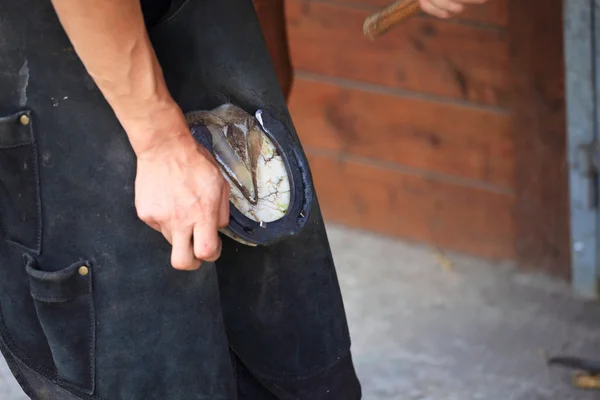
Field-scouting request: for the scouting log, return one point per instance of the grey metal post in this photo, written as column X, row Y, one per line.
column 583, row 117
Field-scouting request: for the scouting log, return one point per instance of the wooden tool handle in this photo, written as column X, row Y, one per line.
column 382, row 21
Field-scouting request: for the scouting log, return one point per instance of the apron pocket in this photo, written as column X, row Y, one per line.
column 20, row 208
column 64, row 305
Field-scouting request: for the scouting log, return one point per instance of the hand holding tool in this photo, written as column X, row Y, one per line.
column 389, row 17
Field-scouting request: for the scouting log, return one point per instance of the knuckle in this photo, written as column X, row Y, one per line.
column 178, row 215
column 215, row 176
column 144, row 213
column 207, row 249
column 215, row 193
column 220, row 185
column 212, row 183
column 148, row 212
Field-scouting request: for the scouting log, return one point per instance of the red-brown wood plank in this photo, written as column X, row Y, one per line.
column 455, row 217
column 539, row 134
column 445, row 138
column 425, row 54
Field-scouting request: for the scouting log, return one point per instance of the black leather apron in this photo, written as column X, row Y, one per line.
column 89, row 305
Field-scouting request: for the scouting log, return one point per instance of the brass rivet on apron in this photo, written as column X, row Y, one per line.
column 24, row 120
column 83, row 270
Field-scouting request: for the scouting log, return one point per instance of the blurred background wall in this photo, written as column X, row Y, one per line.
column 448, row 132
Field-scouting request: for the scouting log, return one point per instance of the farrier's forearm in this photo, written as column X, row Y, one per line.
column 111, row 40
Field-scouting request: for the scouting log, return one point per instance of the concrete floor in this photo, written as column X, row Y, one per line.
column 427, row 326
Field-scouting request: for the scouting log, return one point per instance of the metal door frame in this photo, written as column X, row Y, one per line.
column 582, row 68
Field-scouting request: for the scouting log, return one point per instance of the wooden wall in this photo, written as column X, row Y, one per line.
column 421, row 134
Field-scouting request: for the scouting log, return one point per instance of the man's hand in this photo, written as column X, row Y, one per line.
column 179, row 189
column 180, row 192
column 447, row 8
